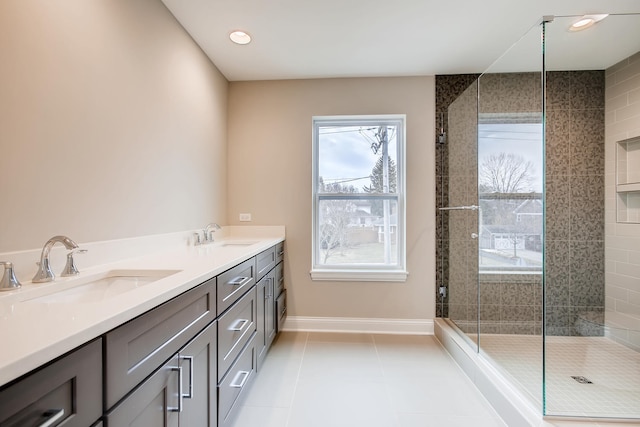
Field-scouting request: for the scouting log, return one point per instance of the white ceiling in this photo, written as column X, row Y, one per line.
column 296, row 39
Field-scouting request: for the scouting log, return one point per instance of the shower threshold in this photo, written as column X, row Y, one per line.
column 513, row 399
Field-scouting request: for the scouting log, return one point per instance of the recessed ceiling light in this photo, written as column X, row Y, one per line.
column 240, row 37
column 586, row 21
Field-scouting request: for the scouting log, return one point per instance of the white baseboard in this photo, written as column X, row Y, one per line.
column 351, row 325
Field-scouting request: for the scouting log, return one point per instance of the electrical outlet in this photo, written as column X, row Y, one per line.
column 245, row 217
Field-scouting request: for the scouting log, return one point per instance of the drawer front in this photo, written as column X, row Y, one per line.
column 236, row 384
column 279, row 279
column 235, row 329
column 265, row 261
column 281, row 310
column 137, row 348
column 155, row 403
column 233, row 283
column 69, row 390
column 280, row 252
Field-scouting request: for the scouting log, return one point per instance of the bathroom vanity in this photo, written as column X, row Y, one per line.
column 187, row 357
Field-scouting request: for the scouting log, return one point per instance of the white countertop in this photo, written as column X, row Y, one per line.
column 32, row 333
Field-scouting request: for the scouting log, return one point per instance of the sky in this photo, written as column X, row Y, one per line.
column 345, row 154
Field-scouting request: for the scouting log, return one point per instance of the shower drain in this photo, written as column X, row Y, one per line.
column 582, row 380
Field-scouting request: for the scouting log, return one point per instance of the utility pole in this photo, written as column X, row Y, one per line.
column 383, row 139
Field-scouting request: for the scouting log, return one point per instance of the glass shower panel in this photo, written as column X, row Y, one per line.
column 460, row 214
column 592, row 278
column 510, row 229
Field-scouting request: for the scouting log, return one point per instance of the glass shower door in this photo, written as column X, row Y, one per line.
column 461, row 214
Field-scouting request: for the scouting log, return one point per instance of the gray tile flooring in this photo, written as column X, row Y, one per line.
column 362, row 380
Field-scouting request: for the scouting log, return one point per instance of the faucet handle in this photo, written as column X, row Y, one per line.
column 70, row 269
column 9, row 281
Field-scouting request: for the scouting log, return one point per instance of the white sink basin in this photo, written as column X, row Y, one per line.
column 239, row 243
column 102, row 286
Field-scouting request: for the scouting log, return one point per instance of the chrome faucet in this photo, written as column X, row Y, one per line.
column 9, row 281
column 209, row 230
column 44, row 273
column 207, row 234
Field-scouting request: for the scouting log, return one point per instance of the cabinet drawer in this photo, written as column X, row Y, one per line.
column 265, row 261
column 235, row 329
column 233, row 283
column 279, row 278
column 280, row 252
column 281, row 310
column 235, row 384
column 155, row 403
column 69, row 390
column 137, row 348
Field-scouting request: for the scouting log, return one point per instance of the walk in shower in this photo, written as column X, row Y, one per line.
column 538, row 163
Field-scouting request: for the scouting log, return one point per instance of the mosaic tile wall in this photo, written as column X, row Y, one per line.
column 575, row 204
column 463, row 191
column 448, row 89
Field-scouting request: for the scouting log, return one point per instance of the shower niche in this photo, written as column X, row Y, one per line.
column 628, row 180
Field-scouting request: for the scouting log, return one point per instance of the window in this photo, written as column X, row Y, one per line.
column 510, row 194
column 358, row 198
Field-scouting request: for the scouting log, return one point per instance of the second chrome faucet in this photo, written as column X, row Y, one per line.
column 207, row 234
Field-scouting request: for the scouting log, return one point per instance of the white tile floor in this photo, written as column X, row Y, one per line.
column 362, row 380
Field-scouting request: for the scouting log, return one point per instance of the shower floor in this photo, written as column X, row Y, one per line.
column 613, row 369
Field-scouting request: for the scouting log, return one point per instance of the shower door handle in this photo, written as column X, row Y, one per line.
column 460, row 208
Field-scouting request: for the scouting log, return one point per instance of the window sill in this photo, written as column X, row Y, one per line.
column 360, row 275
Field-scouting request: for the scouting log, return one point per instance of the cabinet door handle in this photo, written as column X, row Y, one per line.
column 180, row 395
column 280, row 253
column 268, row 293
column 239, row 325
column 190, row 360
column 52, row 416
column 245, row 377
column 239, row 281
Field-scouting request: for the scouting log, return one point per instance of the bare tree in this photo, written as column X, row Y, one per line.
column 335, row 217
column 506, row 173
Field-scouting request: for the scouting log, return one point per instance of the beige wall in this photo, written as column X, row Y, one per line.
column 622, row 240
column 269, row 176
column 112, row 123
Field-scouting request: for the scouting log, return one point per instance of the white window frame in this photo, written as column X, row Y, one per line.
column 361, row 272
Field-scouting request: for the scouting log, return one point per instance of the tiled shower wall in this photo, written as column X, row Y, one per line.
column 622, row 270
column 575, row 205
column 448, row 89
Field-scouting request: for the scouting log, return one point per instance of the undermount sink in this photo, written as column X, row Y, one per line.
column 242, row 243
column 102, row 286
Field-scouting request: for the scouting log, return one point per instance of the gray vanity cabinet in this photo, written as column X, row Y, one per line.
column 182, row 392
column 198, row 364
column 266, row 315
column 265, row 261
column 154, row 403
column 136, row 349
column 234, row 385
column 66, row 392
column 280, row 291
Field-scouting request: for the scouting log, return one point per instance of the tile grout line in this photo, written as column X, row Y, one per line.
column 384, row 381
column 295, row 387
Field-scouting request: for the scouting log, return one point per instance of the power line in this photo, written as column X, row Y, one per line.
column 342, row 180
